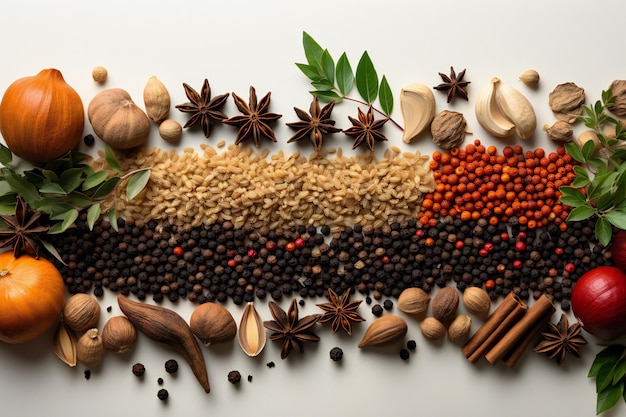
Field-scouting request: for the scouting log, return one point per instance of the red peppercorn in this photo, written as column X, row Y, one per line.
column 488, row 246
column 419, row 232
column 232, row 253
column 520, row 246
column 459, row 244
column 483, row 252
column 385, row 259
column 517, row 264
column 558, row 251
column 178, row 251
column 270, row 245
column 251, row 253
column 570, row 267
column 300, row 242
column 521, row 235
column 232, row 263
column 504, row 236
column 290, row 246
column 490, row 284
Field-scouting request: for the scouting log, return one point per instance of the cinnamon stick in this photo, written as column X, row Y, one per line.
column 511, row 358
column 495, row 319
column 520, row 330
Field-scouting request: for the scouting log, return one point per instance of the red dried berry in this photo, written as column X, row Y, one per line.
column 558, row 251
column 570, row 267
column 178, row 251
column 300, row 243
column 459, row 244
column 385, row 259
column 419, row 233
column 517, row 264
column 252, row 253
column 520, row 246
column 488, row 246
column 290, row 246
column 232, row 263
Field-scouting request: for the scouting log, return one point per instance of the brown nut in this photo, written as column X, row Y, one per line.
column 477, row 301
column 432, row 328
column 448, row 129
column 459, row 328
column 567, row 101
column 445, row 304
column 618, row 89
column 118, row 334
column 170, row 130
column 383, row 331
column 413, row 301
column 212, row 323
column 81, row 312
column 89, row 348
column 560, row 131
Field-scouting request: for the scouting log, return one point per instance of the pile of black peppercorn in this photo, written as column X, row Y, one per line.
column 220, row 262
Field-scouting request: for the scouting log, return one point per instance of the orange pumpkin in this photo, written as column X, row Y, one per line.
column 41, row 117
column 32, row 295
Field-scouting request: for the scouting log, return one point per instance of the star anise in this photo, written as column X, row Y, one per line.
column 453, row 84
column 288, row 329
column 24, row 230
column 255, row 121
column 561, row 339
column 315, row 125
column 203, row 109
column 340, row 311
column 366, row 129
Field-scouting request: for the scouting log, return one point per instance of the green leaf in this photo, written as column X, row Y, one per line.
column 52, row 250
column 112, row 215
column 111, row 158
column 71, row 179
column 53, row 206
column 385, row 96
column 366, row 79
column 108, row 186
column 312, row 50
column 572, row 196
column 604, row 201
column 575, row 151
column 94, row 180
column 328, row 65
column 604, row 377
column 69, row 217
column 619, row 371
column 344, row 74
column 93, row 214
column 322, row 85
column 137, row 183
column 6, row 156
column 617, row 218
column 22, row 187
column 588, row 149
column 52, row 188
column 609, row 397
column 620, row 191
column 326, row 96
column 310, row 71
column 79, row 200
column 604, row 231
column 610, row 354
column 580, row 213
column 582, row 177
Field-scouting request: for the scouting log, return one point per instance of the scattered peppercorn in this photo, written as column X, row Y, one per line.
column 87, row 374
column 109, row 309
column 270, row 364
column 336, row 354
column 377, row 310
column 171, row 366
column 160, row 381
column 139, row 369
column 249, row 378
column 388, row 305
column 404, row 354
column 234, row 377
column 411, row 344
column 89, row 140
column 163, row 394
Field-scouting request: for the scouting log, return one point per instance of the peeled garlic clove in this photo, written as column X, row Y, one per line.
column 489, row 115
column 252, row 336
column 417, row 104
column 516, row 108
column 156, row 99
column 89, row 348
column 65, row 344
column 119, row 334
column 81, row 312
column 530, row 77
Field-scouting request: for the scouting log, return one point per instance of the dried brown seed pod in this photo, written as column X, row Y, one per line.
column 618, row 89
column 567, row 101
column 445, row 304
column 477, row 301
column 212, row 323
column 432, row 328
column 560, row 131
column 81, row 312
column 89, row 348
column 459, row 328
column 448, row 129
column 413, row 301
column 65, row 344
column 118, row 334
column 383, row 331
column 252, row 336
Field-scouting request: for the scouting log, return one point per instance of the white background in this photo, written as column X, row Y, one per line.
column 238, row 43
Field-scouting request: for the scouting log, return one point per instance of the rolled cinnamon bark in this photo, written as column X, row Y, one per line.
column 520, row 330
column 512, row 356
column 506, row 307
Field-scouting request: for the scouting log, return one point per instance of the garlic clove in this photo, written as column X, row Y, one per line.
column 65, row 344
column 417, row 105
column 489, row 115
column 516, row 108
column 252, row 336
column 89, row 348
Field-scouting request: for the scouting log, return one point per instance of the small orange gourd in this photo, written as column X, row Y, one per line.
column 41, row 117
column 32, row 295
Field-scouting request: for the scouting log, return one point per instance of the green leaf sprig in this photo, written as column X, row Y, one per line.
column 599, row 187
column 609, row 370
column 64, row 187
column 335, row 81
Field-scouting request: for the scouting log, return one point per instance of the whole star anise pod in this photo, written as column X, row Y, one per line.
column 288, row 329
column 255, row 121
column 561, row 339
column 453, row 84
column 203, row 109
column 366, row 130
column 314, row 125
column 24, row 230
column 340, row 311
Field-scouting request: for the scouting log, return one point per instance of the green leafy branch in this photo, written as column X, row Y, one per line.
column 599, row 187
column 64, row 187
column 334, row 81
column 609, row 370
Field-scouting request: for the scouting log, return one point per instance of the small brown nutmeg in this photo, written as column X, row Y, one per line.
column 413, row 301
column 477, row 301
column 118, row 334
column 89, row 348
column 448, row 129
column 459, row 328
column 432, row 329
column 81, row 312
column 445, row 304
column 212, row 324
column 383, row 331
column 170, row 130
column 99, row 74
column 560, row 131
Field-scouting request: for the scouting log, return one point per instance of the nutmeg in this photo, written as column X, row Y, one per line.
column 459, row 328
column 212, row 323
column 413, row 301
column 170, row 130
column 118, row 334
column 445, row 304
column 89, row 348
column 477, row 301
column 432, row 328
column 81, row 312
column 383, row 331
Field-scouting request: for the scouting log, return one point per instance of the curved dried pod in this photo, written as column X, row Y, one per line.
column 251, row 334
column 477, row 301
column 212, row 324
column 459, row 328
column 516, row 108
column 448, row 129
column 413, row 301
column 618, row 89
column 156, row 99
column 530, row 78
column 432, row 329
column 445, row 304
column 65, row 341
column 383, row 331
column 560, row 131
column 119, row 334
column 567, row 101
column 89, row 348
column 417, row 104
column 586, row 136
column 488, row 113
column 81, row 312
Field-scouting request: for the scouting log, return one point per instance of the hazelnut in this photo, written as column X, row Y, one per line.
column 413, row 301
column 118, row 334
column 89, row 348
column 81, row 312
column 99, row 74
column 432, row 328
column 170, row 130
column 477, row 301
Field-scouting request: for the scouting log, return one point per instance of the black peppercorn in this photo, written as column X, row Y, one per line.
column 234, row 377
column 336, row 354
column 411, row 344
column 270, row 364
column 163, row 394
column 377, row 310
column 171, row 366
column 404, row 354
column 139, row 369
column 388, row 305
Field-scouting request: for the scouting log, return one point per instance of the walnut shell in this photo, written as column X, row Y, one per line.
column 432, row 328
column 459, row 328
column 413, row 301
column 383, row 331
column 81, row 312
column 477, row 301
column 445, row 304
